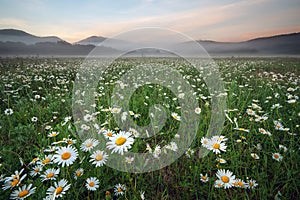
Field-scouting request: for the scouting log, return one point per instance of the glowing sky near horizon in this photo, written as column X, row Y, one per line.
column 220, row 20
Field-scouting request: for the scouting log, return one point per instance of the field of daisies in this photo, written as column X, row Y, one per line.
column 256, row 154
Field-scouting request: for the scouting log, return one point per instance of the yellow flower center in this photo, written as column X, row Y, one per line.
column 66, row 155
column 14, row 182
column 89, row 144
column 99, row 157
column 23, row 193
column 120, row 141
column 91, row 184
column 251, row 184
column 203, row 177
column 109, row 134
column 70, row 142
column 50, row 175
column 58, row 190
column 216, row 146
column 119, row 189
column 47, row 160
column 225, row 179
column 37, row 170
column 276, row 156
column 78, row 173
column 240, row 183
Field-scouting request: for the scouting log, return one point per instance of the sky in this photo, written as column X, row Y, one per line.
column 219, row 20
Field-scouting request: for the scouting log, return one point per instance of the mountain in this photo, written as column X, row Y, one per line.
column 273, row 45
column 13, row 35
column 17, row 42
column 93, row 40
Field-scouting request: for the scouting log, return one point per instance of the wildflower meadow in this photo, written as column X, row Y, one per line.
column 255, row 155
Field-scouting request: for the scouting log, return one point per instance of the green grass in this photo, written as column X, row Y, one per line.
column 262, row 81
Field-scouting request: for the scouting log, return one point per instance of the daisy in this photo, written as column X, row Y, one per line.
column 92, row 183
column 189, row 152
column 226, row 178
column 176, row 116
column 134, row 132
column 129, row 160
column 11, row 182
column 252, row 184
column 255, row 156
column 34, row 119
column 172, row 146
column 8, row 111
column 115, row 110
column 36, row 170
column 284, row 148
column 47, row 160
column 59, row 188
column 120, row 142
column 89, row 144
column 108, row 133
column 218, row 184
column 157, row 151
column 198, row 110
column 98, row 158
column 277, row 156
column 88, row 118
column 216, row 146
column 53, row 134
column 23, row 192
column 205, row 142
column 119, row 189
column 204, row 178
column 220, row 138
column 50, row 174
column 240, row 183
column 221, row 160
column 78, row 173
column 85, row 127
column 278, row 125
column 65, row 156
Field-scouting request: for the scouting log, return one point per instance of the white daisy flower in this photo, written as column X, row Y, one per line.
column 226, row 178
column 240, row 183
column 157, row 151
column 216, row 146
column 36, row 170
column 119, row 189
column 120, row 142
column 255, row 156
column 50, row 174
column 115, row 110
column 23, row 192
column 34, row 119
column 98, row 158
column 78, row 173
column 92, row 183
column 204, row 178
column 59, row 188
column 277, row 156
column 53, row 134
column 198, row 110
column 189, row 152
column 65, row 156
column 129, row 160
column 8, row 111
column 89, row 144
column 108, row 133
column 251, row 184
column 205, row 142
column 176, row 116
column 11, row 182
